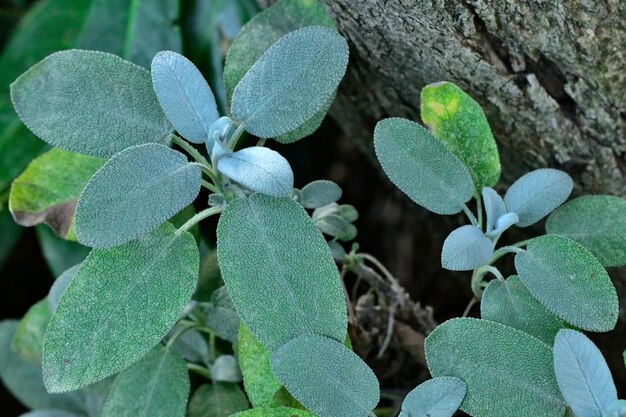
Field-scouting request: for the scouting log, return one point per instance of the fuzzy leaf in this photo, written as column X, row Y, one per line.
column 503, row 223
column 90, row 102
column 505, row 370
column 48, row 190
column 568, row 280
column 437, row 397
column 534, row 195
column 220, row 399
column 320, row 193
column 274, row 262
column 466, row 248
column 192, row 345
column 223, row 321
column 226, row 369
column 494, row 207
column 120, row 304
column 582, row 374
column 421, row 166
column 291, row 81
column 259, row 169
column 184, row 95
column 133, row 193
column 274, row 412
column 597, row 222
column 156, row 386
column 459, row 121
column 326, row 377
column 511, row 304
column 616, row 409
column 28, row 339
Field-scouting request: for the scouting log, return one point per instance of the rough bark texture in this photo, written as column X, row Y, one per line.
column 551, row 75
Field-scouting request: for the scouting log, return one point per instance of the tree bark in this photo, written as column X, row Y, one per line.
column 551, row 76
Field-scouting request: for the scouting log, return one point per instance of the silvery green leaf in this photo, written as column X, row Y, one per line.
column 421, row 166
column 191, row 344
column 336, row 226
column 219, row 151
column 598, row 222
column 326, row 377
column 568, row 280
column 259, row 169
column 220, row 399
column 28, row 339
column 184, row 95
column 510, row 303
column 494, row 207
column 226, row 369
column 120, row 304
column 48, row 413
column 254, row 359
column 616, row 409
column 339, row 253
column 59, row 286
column 90, row 102
column 291, row 81
column 345, row 211
column 502, row 224
column 534, row 195
column 582, row 374
column 300, row 292
column 133, row 193
column 220, row 130
column 223, row 321
column 156, row 386
column 437, row 397
column 505, row 370
column 320, row 193
column 217, row 200
column 466, row 248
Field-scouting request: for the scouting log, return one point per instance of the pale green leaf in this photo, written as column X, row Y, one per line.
column 220, row 399
column 225, row 369
column 48, row 413
column 274, row 412
column 437, row 397
column 28, row 339
column 133, row 193
column 421, row 166
column 616, row 409
column 191, row 344
column 336, row 226
column 505, row 370
column 120, row 304
column 466, row 248
column 279, row 271
column 320, row 193
column 156, row 386
column 494, row 207
column 568, row 280
column 223, row 321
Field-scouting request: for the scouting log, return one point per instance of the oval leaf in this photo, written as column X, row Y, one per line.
column 320, row 193
column 421, row 166
column 279, row 271
column 184, row 95
column 568, row 280
column 437, row 397
column 504, row 369
column 466, row 248
column 225, row 369
column 120, row 304
column 90, row 102
column 291, row 81
column 259, row 169
column 597, row 222
column 259, row 381
column 133, row 193
column 28, row 339
column 326, row 377
column 156, row 386
column 494, row 207
column 220, row 399
column 534, row 195
column 60, row 285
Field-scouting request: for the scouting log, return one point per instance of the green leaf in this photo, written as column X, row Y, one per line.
column 511, row 304
column 220, row 399
column 59, row 286
column 466, row 248
column 320, row 193
column 28, row 339
column 459, row 121
column 47, row 191
column 616, row 409
column 224, row 321
column 291, row 81
column 437, row 397
column 156, row 386
column 60, row 254
column 279, row 271
column 254, row 359
column 505, row 370
column 48, row 413
column 494, row 207
column 421, row 166
column 120, row 304
column 597, row 222
column 274, row 412
column 336, row 226
column 225, row 369
column 191, row 344
column 90, row 102
column 567, row 279
column 133, row 193
column 326, row 377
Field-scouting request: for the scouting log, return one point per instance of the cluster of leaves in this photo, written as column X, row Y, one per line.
column 522, row 353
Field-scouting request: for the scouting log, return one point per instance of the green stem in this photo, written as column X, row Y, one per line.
column 492, row 270
column 200, row 370
column 479, row 211
column 209, row 186
column 261, row 142
column 503, row 251
column 191, row 150
column 199, row 217
column 470, row 215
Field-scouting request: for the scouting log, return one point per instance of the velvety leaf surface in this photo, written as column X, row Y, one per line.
column 274, row 263
column 28, row 339
column 568, row 280
column 320, row 193
column 221, row 317
column 184, row 95
column 120, row 304
column 226, row 369
column 156, row 386
column 507, row 372
column 534, row 195
column 90, row 102
column 291, row 81
column 48, row 190
column 598, row 222
column 326, row 377
column 466, row 248
column 616, row 409
column 437, row 397
column 511, row 304
column 459, row 121
column 494, row 207
column 258, row 380
column 133, row 193
column 220, row 399
column 274, row 412
column 421, row 166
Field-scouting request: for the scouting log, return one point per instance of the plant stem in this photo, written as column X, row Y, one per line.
column 479, row 211
column 503, row 251
column 209, row 186
column 191, row 150
column 470, row 215
column 200, row 370
column 261, row 142
column 199, row 217
column 493, row 271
